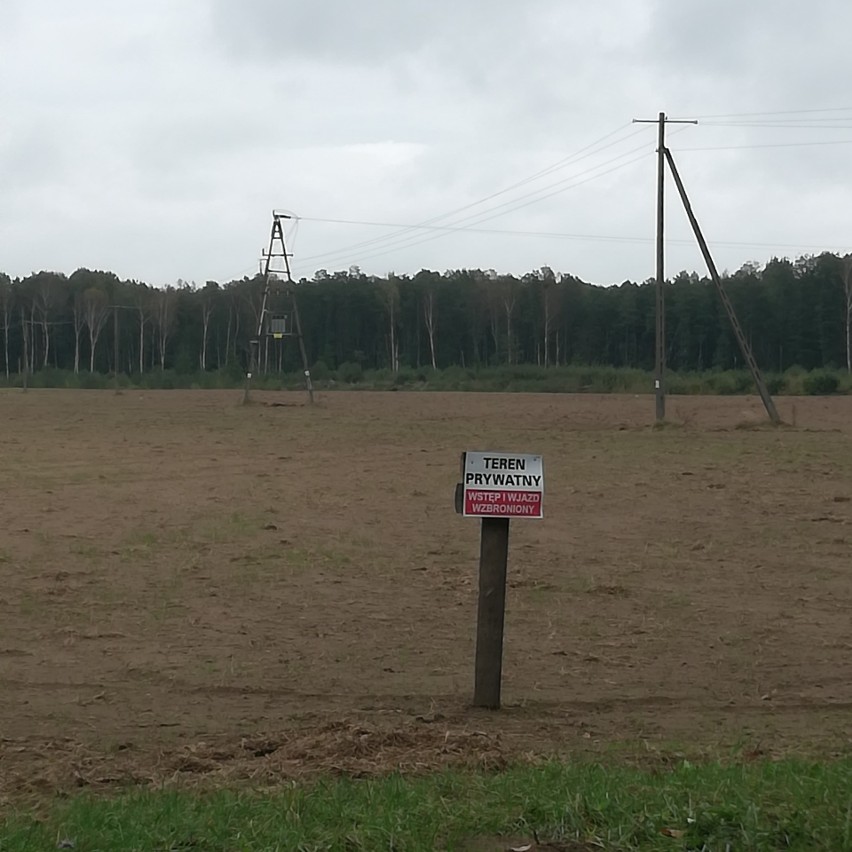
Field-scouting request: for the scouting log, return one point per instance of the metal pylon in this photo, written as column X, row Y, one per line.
column 277, row 249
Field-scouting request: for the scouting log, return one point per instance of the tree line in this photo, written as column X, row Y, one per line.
column 793, row 313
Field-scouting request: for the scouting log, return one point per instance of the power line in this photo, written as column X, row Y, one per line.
column 769, row 145
column 702, row 118
column 406, row 236
column 415, row 240
column 394, row 242
column 557, row 234
column 470, row 229
column 533, row 197
column 792, row 125
column 578, row 156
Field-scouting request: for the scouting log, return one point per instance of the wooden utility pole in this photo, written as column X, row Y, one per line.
column 660, row 298
column 768, row 403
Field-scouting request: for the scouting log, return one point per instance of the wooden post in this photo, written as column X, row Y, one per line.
column 659, row 291
column 493, row 557
column 660, row 297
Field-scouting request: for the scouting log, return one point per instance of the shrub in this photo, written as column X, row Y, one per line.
column 49, row 377
column 233, row 371
column 160, row 380
column 91, row 381
column 404, row 376
column 349, row 372
column 379, row 379
column 732, row 382
column 320, row 371
column 775, row 383
column 456, row 373
column 820, row 382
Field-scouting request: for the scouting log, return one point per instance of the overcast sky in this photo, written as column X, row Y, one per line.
column 154, row 139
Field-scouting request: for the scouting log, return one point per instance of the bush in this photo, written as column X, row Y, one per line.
column 349, row 372
column 775, row 384
column 732, row 382
column 530, row 378
column 380, row 379
column 161, row 380
column 320, row 372
column 404, row 376
column 210, row 380
column 821, row 382
column 687, row 384
column 49, row 377
column 456, row 373
column 234, row 371
column 91, row 381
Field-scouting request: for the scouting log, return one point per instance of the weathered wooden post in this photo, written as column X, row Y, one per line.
column 495, row 487
column 491, row 611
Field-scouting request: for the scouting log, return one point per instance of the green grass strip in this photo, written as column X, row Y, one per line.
column 756, row 806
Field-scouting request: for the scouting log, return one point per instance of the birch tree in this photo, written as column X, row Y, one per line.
column 427, row 283
column 78, row 320
column 508, row 298
column 25, row 365
column 390, row 291
column 95, row 312
column 46, row 298
column 163, row 316
column 550, row 297
column 207, row 300
column 429, row 320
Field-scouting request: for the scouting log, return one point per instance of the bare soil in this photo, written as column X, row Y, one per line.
column 189, row 586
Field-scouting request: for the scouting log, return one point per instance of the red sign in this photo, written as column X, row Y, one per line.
column 502, row 504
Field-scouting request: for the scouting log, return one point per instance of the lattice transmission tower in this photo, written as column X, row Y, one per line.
column 279, row 318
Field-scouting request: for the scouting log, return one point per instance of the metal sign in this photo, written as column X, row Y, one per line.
column 502, row 485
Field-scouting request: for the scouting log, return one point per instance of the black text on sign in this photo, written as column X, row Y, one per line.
column 505, row 485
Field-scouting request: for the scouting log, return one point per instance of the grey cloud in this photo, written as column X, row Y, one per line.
column 32, row 155
column 763, row 52
column 371, row 33
column 159, row 136
column 698, row 37
column 10, row 12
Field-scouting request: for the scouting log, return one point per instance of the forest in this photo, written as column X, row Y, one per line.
column 795, row 313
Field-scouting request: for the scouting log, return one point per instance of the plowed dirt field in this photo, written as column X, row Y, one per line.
column 189, row 585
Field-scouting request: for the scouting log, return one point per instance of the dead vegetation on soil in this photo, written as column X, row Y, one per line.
column 353, row 749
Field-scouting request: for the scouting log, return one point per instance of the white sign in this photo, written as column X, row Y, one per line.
column 503, row 485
